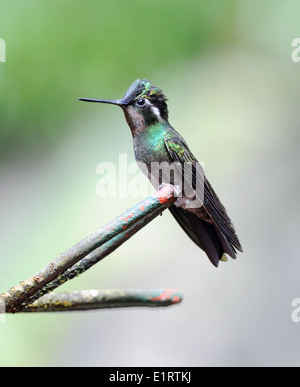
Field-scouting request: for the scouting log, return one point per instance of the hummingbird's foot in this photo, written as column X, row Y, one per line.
column 166, row 193
column 176, row 188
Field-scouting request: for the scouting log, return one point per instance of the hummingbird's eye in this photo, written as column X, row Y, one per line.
column 141, row 102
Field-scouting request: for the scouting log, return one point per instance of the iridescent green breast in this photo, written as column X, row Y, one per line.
column 149, row 145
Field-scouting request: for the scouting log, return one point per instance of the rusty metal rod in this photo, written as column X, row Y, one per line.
column 102, row 299
column 111, row 236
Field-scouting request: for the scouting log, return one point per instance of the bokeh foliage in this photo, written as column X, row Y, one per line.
column 60, row 50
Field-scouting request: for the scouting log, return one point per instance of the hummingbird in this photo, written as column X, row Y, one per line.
column 155, row 141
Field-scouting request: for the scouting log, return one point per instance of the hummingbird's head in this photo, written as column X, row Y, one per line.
column 143, row 105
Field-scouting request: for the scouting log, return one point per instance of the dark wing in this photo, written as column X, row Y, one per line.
column 209, row 226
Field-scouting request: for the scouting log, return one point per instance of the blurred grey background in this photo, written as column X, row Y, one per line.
column 233, row 93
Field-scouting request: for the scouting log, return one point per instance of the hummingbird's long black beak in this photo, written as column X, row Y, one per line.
column 112, row 102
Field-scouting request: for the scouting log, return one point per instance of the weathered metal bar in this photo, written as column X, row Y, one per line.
column 23, row 292
column 101, row 299
column 94, row 257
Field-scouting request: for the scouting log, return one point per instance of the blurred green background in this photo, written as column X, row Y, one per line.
column 233, row 93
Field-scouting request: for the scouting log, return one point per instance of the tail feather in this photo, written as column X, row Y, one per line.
column 208, row 237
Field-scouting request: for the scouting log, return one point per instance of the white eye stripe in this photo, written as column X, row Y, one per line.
column 156, row 112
